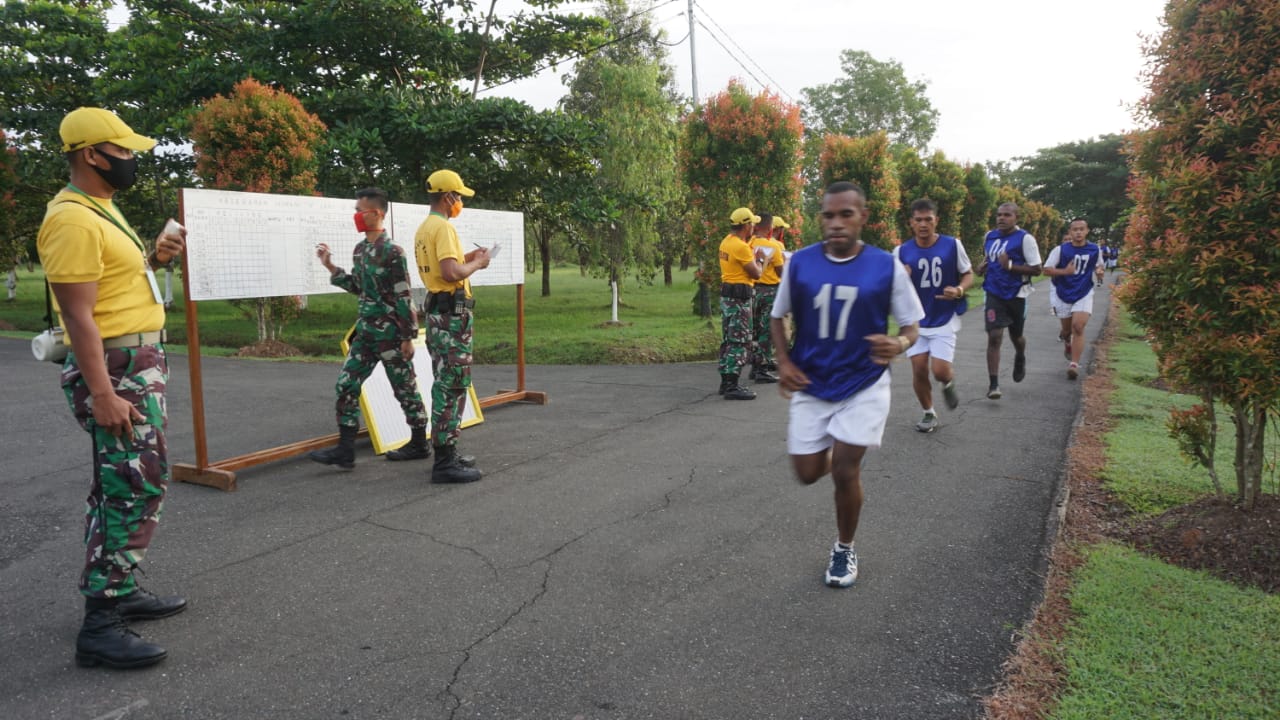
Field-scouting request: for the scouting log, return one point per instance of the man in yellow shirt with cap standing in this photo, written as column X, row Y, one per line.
column 740, row 266
column 445, row 270
column 114, row 377
column 766, row 290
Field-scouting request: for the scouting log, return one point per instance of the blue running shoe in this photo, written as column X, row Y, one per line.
column 843, row 569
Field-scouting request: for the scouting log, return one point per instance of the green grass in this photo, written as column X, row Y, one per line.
column 571, row 326
column 1150, row 640
column 1144, row 468
column 1154, row 641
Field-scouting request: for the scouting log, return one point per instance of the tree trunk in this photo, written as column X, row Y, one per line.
column 1251, row 426
column 666, row 270
column 262, row 318
column 613, row 285
column 703, row 301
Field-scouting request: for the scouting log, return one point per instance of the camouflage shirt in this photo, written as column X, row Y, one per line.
column 380, row 278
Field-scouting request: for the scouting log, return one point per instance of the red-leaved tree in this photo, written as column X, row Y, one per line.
column 868, row 162
column 737, row 150
column 10, row 242
column 259, row 139
column 1203, row 244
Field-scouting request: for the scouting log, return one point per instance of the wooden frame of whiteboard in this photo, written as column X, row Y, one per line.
column 221, row 474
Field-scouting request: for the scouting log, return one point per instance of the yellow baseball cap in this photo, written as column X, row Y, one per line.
column 86, row 126
column 742, row 216
column 778, row 222
column 448, row 181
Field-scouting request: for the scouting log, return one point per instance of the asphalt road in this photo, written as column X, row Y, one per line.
column 637, row 549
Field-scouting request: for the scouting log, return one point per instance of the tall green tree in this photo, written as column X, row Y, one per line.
column 384, row 75
column 872, row 95
column 559, row 196
column 605, row 88
column 936, row 178
column 979, row 203
column 867, row 161
column 259, row 140
column 736, row 150
column 637, row 169
column 632, row 40
column 1203, row 244
column 51, row 53
column 1086, row 178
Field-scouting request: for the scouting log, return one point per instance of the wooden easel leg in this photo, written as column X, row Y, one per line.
column 224, row 480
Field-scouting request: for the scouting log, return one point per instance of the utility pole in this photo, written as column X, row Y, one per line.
column 693, row 56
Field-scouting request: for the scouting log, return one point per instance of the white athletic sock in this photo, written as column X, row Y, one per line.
column 930, row 411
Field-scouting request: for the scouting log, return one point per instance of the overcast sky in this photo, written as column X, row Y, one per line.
column 1008, row 77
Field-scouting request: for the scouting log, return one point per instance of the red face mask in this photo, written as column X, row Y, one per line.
column 456, row 208
column 360, row 223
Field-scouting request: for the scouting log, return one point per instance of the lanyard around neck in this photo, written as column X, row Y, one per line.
column 110, row 216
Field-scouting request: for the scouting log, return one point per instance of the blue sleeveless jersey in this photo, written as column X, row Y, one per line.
column 834, row 306
column 1000, row 282
column 1071, row 288
column 932, row 269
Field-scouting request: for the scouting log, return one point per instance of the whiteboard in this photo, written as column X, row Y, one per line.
column 383, row 415
column 486, row 228
column 246, row 245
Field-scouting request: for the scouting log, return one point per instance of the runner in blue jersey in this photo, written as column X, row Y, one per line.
column 1074, row 266
column 1010, row 259
column 941, row 274
column 840, row 294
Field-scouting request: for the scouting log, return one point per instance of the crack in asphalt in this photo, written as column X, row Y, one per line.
column 548, row 560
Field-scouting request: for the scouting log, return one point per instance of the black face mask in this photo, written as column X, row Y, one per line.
column 123, row 173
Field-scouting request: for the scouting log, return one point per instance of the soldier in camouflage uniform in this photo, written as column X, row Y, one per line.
column 114, row 377
column 766, row 290
column 740, row 267
column 385, row 330
column 445, row 269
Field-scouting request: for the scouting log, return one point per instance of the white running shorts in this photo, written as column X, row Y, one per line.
column 1062, row 310
column 939, row 342
column 816, row 424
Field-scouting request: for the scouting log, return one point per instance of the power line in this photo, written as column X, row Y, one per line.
column 775, row 83
column 719, row 42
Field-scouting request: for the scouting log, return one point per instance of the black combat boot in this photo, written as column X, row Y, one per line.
column 142, row 605
column 761, row 374
column 733, row 391
column 416, row 449
column 448, row 469
column 104, row 639
column 727, row 383
column 343, row 454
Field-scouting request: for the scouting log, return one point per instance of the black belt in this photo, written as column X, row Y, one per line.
column 445, row 302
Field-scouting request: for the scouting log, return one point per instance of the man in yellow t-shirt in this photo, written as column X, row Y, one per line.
column 766, row 289
column 740, row 267
column 114, row 377
column 445, row 270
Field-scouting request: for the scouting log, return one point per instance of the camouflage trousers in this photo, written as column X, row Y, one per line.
column 761, row 306
column 449, row 340
column 130, row 473
column 736, row 345
column 368, row 348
